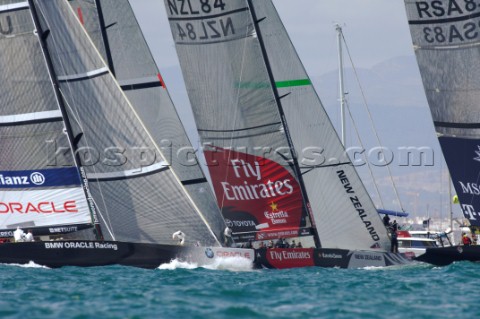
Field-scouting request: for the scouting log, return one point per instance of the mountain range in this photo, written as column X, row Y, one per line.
column 389, row 109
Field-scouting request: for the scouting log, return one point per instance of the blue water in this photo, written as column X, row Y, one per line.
column 418, row 292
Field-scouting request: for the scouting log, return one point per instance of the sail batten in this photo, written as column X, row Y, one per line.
column 14, row 6
column 457, row 125
column 84, row 76
column 141, row 85
column 151, row 169
column 35, row 117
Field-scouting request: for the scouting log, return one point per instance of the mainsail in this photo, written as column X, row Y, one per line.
column 446, row 38
column 275, row 159
column 136, row 194
column 116, row 33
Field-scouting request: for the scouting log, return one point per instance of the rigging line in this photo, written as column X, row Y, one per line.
column 363, row 147
column 107, row 226
column 237, row 99
column 141, row 124
column 167, row 93
column 371, row 121
column 76, row 115
column 34, row 9
column 76, row 118
column 83, row 136
column 175, row 177
column 274, row 91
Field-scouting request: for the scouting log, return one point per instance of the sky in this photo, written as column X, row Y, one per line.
column 375, row 31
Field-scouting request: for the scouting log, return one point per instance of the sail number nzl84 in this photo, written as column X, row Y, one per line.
column 204, row 21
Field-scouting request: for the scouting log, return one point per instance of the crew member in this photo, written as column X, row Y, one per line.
column 394, row 248
column 466, row 240
column 19, row 235
column 386, row 220
column 180, row 236
column 227, row 236
column 29, row 236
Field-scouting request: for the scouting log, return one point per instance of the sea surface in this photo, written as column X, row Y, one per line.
column 232, row 290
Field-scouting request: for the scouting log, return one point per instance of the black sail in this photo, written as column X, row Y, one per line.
column 446, row 40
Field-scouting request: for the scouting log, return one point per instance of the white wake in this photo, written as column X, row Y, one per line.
column 177, row 264
column 219, row 263
column 30, row 264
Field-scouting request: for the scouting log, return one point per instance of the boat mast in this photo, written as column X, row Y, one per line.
column 42, row 36
column 341, row 81
column 296, row 166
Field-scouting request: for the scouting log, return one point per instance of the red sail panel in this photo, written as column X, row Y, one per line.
column 80, row 15
column 256, row 194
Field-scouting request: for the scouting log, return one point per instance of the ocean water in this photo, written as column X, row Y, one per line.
column 232, row 290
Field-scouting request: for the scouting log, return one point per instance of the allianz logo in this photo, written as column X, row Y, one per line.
column 36, row 178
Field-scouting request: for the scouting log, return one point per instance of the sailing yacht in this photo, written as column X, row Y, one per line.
column 446, row 39
column 277, row 166
column 77, row 163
